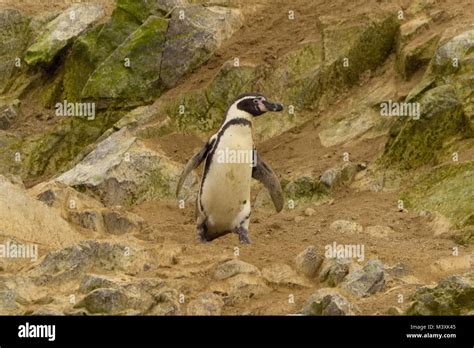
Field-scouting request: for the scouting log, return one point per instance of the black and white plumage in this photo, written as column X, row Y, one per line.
column 223, row 203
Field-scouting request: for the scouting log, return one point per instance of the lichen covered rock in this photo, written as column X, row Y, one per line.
column 61, row 31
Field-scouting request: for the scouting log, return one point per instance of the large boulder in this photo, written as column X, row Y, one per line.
column 328, row 301
column 27, row 220
column 132, row 71
column 54, row 150
column 366, row 281
column 14, row 36
column 194, row 33
column 122, row 171
column 421, row 141
column 61, row 31
column 451, row 296
column 448, row 189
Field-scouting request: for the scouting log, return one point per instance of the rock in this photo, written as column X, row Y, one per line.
column 240, row 287
column 191, row 40
column 398, row 270
column 334, row 271
column 131, row 73
column 122, row 171
column 89, row 219
column 394, row 311
column 441, row 118
column 304, row 188
column 309, row 212
column 298, row 219
column 294, row 77
column 30, row 221
column 341, row 175
column 8, row 114
column 14, row 39
column 283, row 274
column 366, row 281
column 233, row 267
column 91, row 282
column 206, row 304
column 47, row 311
column 61, row 31
column 465, row 236
column 328, row 177
column 344, row 226
column 349, row 38
column 71, row 262
column 379, row 231
column 107, row 301
column 447, row 190
column 204, row 108
column 327, row 302
column 124, row 295
column 453, row 295
column 416, row 54
column 308, row 262
column 359, row 120
column 122, row 222
column 453, row 264
column 167, row 302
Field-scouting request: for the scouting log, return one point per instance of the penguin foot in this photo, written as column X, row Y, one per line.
column 243, row 235
column 201, row 234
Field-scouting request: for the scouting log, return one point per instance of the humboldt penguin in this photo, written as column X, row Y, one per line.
column 231, row 161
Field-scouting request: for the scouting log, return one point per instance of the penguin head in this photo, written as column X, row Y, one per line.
column 255, row 104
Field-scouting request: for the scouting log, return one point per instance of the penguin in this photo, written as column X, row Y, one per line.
column 230, row 163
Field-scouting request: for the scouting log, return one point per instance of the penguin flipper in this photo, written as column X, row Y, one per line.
column 192, row 164
column 263, row 173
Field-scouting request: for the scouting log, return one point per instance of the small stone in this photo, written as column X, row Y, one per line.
column 327, row 302
column 344, row 226
column 298, row 219
column 366, row 281
column 394, row 311
column 233, row 267
column 308, row 262
column 334, row 271
column 309, row 212
column 282, row 274
column 206, row 304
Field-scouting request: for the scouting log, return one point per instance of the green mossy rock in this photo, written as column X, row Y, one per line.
column 52, row 151
column 14, row 37
column 92, row 48
column 448, row 189
column 61, row 31
column 452, row 296
column 131, row 73
column 420, row 142
column 351, row 48
column 304, row 189
column 141, row 9
column 203, row 110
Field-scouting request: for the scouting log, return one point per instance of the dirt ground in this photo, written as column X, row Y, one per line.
column 269, row 34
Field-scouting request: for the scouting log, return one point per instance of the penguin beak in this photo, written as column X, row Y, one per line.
column 267, row 106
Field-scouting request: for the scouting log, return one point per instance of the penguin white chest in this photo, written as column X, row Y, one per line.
column 225, row 193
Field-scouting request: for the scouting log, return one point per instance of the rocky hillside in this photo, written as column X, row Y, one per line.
column 102, row 103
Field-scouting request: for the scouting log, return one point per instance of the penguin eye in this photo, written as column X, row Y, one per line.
column 255, row 101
